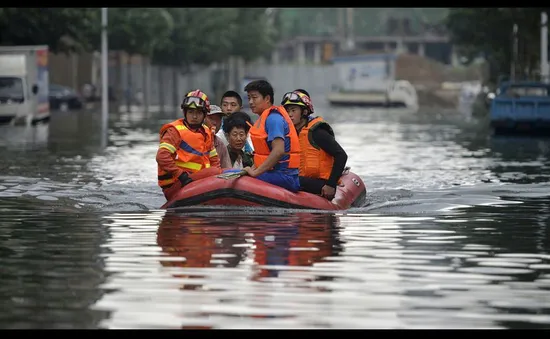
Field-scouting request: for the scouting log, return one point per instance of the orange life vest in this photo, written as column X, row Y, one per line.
column 191, row 155
column 258, row 135
column 314, row 161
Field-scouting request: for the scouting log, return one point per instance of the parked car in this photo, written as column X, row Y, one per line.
column 64, row 98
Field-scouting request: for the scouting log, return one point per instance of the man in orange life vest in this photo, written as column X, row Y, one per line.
column 186, row 151
column 322, row 159
column 276, row 144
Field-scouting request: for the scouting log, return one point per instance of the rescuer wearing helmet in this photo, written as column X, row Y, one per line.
column 186, row 151
column 322, row 159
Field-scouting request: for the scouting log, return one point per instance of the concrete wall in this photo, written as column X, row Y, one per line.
column 167, row 85
column 316, row 79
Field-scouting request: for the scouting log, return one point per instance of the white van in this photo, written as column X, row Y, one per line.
column 24, row 83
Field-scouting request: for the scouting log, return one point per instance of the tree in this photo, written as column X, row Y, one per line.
column 200, row 35
column 255, row 33
column 488, row 31
column 62, row 29
column 206, row 35
column 134, row 30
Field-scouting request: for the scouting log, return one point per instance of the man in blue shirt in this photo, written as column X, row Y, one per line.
column 276, row 144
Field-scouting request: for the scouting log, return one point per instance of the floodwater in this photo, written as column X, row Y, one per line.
column 454, row 234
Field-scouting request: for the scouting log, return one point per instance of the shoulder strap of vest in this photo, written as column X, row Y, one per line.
column 263, row 117
column 174, row 124
column 315, row 126
column 321, row 123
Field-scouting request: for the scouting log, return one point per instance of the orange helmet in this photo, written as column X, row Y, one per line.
column 297, row 98
column 196, row 99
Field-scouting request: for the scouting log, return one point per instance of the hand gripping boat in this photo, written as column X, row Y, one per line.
column 236, row 189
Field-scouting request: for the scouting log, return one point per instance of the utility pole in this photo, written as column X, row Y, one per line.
column 104, row 78
column 350, row 43
column 341, row 28
column 514, row 52
column 544, row 71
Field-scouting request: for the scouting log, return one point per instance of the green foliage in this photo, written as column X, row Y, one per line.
column 172, row 36
column 200, row 35
column 139, row 30
column 254, row 34
column 488, row 31
column 133, row 30
column 62, row 29
column 366, row 21
column 206, row 35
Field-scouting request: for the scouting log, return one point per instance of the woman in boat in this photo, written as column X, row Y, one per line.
column 231, row 103
column 236, row 127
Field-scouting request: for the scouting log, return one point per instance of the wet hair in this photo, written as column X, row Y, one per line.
column 233, row 94
column 263, row 87
column 302, row 91
column 238, row 120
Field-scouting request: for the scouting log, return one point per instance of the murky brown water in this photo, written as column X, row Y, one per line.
column 454, row 234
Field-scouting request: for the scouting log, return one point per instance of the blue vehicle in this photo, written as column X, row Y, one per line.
column 521, row 106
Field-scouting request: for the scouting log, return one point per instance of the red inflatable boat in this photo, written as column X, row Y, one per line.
column 248, row 191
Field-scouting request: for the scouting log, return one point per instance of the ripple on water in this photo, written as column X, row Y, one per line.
column 47, row 198
column 448, row 257
column 8, row 194
column 495, row 270
column 214, row 272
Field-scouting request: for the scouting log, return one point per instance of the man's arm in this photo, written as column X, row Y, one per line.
column 167, row 149
column 275, row 127
column 329, row 144
column 277, row 151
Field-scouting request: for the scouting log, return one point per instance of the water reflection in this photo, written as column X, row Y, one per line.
column 521, row 159
column 22, row 138
column 75, row 133
column 294, row 240
column 225, row 264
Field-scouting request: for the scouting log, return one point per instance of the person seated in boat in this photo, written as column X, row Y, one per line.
column 236, row 127
column 276, row 144
column 214, row 121
column 322, row 158
column 231, row 103
column 186, row 151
